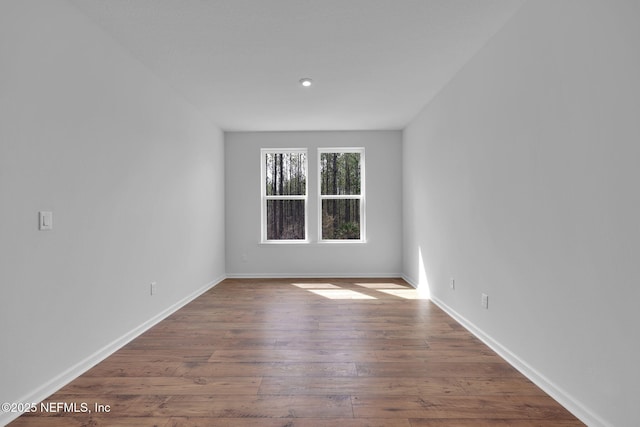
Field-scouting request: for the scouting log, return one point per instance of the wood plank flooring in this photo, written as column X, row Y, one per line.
column 305, row 353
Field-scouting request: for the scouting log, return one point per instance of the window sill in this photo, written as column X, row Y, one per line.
column 285, row 242
column 342, row 242
column 309, row 242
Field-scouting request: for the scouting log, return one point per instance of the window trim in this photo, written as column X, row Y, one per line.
column 361, row 196
column 264, row 197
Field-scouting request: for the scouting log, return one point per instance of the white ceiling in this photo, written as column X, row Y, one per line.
column 375, row 63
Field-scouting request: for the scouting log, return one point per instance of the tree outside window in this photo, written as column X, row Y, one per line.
column 284, row 195
column 341, row 204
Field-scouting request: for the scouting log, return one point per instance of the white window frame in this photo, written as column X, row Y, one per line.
column 361, row 196
column 265, row 197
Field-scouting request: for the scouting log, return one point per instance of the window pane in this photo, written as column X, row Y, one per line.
column 340, row 219
column 285, row 220
column 286, row 174
column 340, row 173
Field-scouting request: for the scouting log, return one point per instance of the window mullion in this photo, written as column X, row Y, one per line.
column 291, row 197
column 340, row 196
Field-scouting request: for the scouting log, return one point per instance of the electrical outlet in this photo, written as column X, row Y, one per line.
column 244, row 258
column 45, row 220
column 452, row 283
column 485, row 301
column 154, row 288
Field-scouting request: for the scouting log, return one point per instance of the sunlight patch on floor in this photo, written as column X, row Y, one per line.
column 340, row 294
column 381, row 285
column 316, row 286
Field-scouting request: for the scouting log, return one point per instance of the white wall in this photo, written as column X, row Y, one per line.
column 380, row 256
column 521, row 181
column 134, row 176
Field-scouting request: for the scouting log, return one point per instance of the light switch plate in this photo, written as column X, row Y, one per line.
column 46, row 220
column 485, row 301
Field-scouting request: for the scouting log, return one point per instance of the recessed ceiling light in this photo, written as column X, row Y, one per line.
column 306, row 82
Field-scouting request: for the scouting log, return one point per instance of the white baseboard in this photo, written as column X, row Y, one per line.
column 83, row 366
column 310, row 276
column 409, row 280
column 548, row 386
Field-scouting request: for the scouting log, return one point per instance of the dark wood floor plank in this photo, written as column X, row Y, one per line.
column 471, row 407
column 350, row 343
column 244, row 406
column 210, row 386
column 306, row 353
column 493, row 423
column 388, row 386
column 450, row 369
column 106, row 420
column 288, row 422
column 268, row 369
column 303, row 355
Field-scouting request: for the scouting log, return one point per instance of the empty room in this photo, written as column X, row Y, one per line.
column 383, row 213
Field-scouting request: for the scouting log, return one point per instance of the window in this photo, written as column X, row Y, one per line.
column 341, row 199
column 284, row 195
